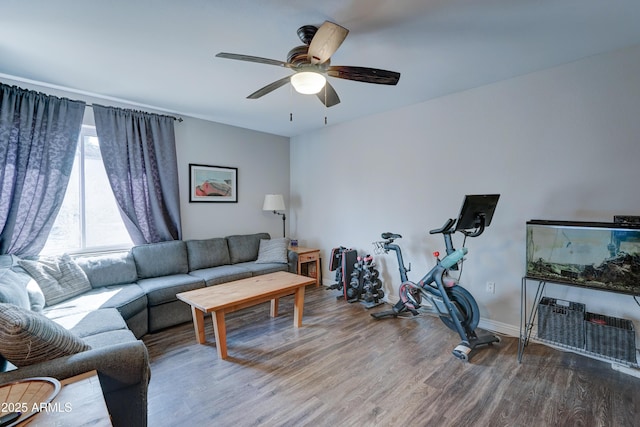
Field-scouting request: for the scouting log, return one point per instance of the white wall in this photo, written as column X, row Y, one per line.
column 262, row 161
column 557, row 144
column 561, row 144
column 263, row 167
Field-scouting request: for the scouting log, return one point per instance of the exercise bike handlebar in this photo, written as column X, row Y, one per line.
column 446, row 228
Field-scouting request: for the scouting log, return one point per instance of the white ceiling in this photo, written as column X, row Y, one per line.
column 160, row 53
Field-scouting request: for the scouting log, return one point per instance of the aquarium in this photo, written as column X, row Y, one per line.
column 596, row 255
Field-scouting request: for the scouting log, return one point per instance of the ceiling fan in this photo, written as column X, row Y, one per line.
column 311, row 64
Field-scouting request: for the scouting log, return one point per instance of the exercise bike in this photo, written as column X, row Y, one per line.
column 455, row 306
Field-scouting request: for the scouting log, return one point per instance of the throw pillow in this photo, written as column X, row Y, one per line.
column 36, row 297
column 60, row 278
column 27, row 337
column 16, row 283
column 12, row 289
column 273, row 250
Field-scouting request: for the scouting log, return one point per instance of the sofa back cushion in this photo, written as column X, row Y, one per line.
column 243, row 248
column 110, row 269
column 207, row 253
column 161, row 259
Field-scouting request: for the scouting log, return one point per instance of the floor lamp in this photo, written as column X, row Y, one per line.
column 275, row 203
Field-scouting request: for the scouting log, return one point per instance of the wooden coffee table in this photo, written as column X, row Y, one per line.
column 228, row 297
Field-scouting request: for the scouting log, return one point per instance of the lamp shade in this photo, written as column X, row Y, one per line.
column 273, row 202
column 308, row 82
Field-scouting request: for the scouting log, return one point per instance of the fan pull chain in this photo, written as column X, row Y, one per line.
column 291, row 101
column 325, row 104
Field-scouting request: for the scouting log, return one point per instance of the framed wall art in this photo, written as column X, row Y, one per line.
column 213, row 184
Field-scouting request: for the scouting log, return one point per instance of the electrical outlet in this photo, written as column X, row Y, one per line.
column 491, row 287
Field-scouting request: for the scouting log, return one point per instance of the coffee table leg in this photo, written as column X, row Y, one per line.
column 298, row 307
column 220, row 330
column 198, row 324
column 274, row 307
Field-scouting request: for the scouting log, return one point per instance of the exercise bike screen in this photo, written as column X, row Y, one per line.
column 473, row 207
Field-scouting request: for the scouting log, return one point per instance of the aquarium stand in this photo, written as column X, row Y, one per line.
column 556, row 337
column 527, row 320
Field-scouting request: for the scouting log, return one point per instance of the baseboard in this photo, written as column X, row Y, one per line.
column 634, row 372
column 499, row 327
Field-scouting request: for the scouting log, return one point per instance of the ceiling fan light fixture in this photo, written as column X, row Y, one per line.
column 308, row 82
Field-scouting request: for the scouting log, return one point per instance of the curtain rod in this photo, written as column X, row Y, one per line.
column 179, row 119
column 67, row 89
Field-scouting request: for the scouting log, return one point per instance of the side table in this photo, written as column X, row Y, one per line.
column 79, row 403
column 309, row 258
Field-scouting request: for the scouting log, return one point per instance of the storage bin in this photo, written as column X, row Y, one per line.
column 561, row 322
column 611, row 337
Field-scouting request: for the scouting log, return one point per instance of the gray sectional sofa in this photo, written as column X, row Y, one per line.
column 129, row 295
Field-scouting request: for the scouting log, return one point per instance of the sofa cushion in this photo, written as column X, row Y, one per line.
column 91, row 322
column 129, row 300
column 273, row 250
column 243, row 248
column 163, row 289
column 221, row 274
column 110, row 338
column 27, row 337
column 106, row 270
column 60, row 278
column 257, row 269
column 161, row 259
column 207, row 253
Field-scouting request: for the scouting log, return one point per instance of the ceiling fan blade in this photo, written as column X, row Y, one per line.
column 250, row 58
column 328, row 95
column 364, row 74
column 269, row 88
column 326, row 41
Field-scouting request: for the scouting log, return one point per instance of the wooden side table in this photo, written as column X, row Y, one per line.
column 79, row 403
column 310, row 259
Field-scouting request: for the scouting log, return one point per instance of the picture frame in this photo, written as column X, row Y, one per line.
column 213, row 184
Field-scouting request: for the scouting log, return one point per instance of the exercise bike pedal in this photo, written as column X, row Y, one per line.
column 383, row 314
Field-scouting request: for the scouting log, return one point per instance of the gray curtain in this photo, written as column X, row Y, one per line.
column 139, row 153
column 38, row 140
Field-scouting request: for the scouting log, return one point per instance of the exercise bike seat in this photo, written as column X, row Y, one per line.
column 390, row 236
column 445, row 228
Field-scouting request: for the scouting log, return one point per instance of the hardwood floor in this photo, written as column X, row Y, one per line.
column 343, row 368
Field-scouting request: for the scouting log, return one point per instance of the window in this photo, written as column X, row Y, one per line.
column 89, row 219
